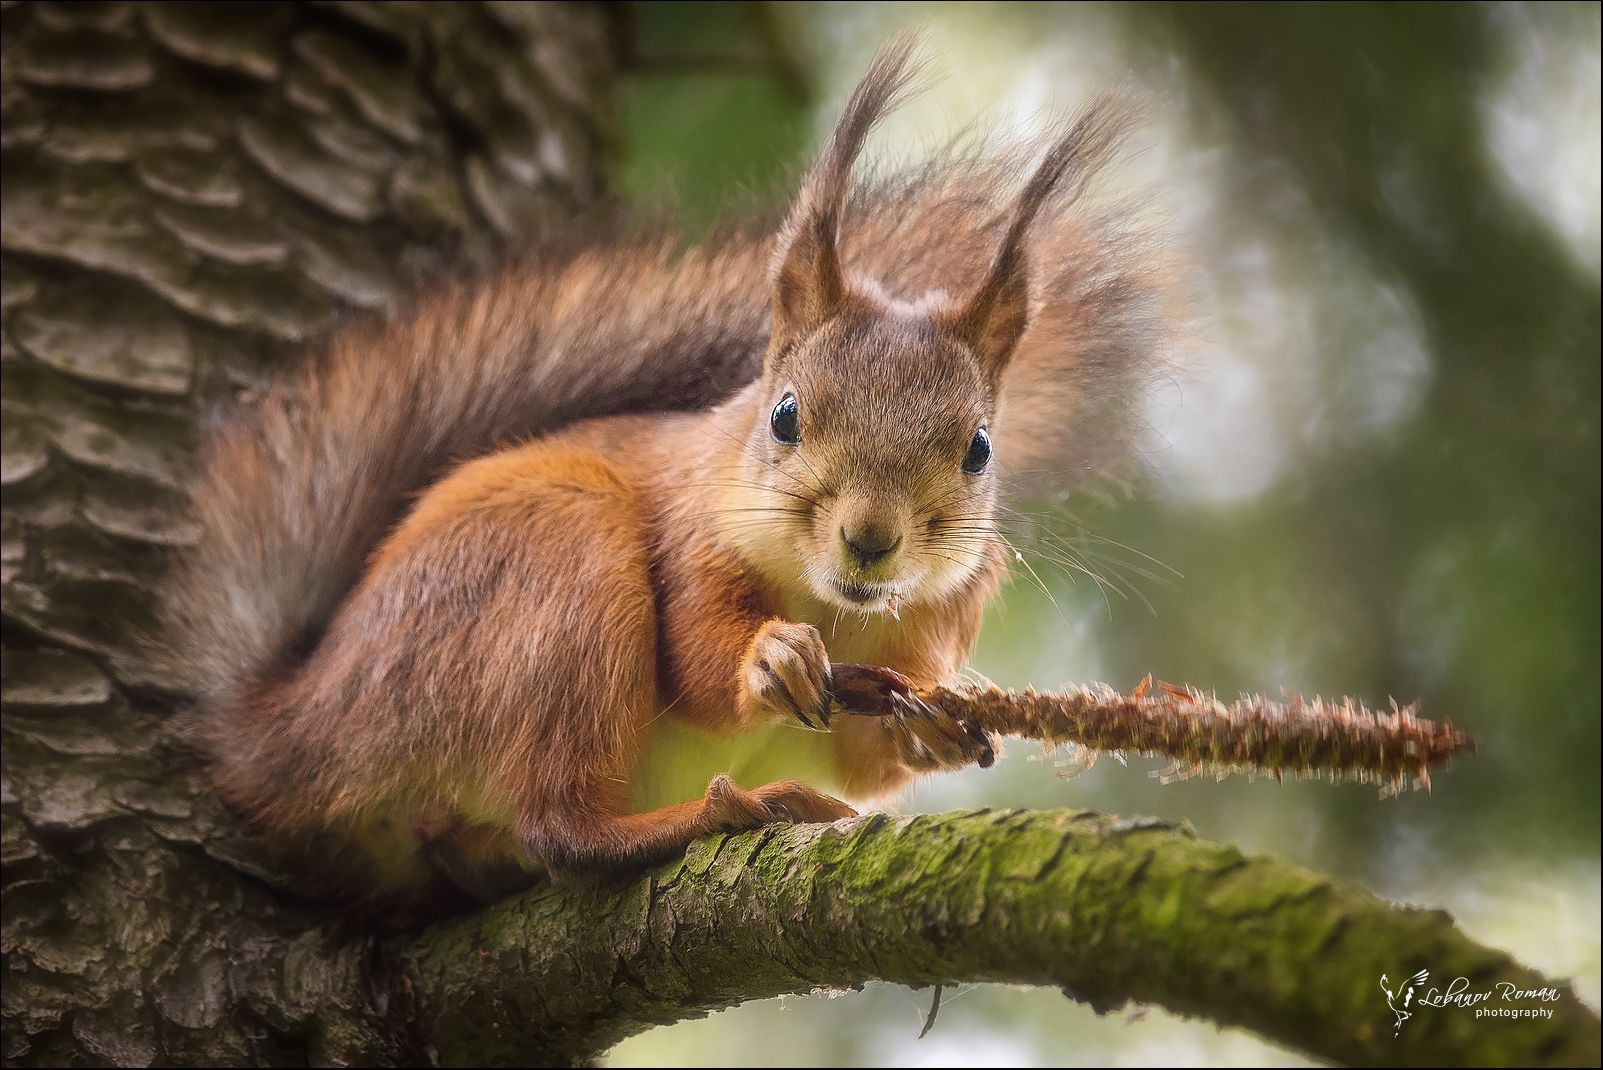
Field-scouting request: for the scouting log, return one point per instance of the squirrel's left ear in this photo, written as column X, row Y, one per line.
column 994, row 319
column 809, row 285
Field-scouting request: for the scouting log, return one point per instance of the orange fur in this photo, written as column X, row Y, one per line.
column 473, row 680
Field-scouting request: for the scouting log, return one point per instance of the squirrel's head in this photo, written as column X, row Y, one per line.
column 868, row 468
column 870, row 452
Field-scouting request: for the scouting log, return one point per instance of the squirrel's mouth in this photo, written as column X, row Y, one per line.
column 866, row 594
column 858, row 593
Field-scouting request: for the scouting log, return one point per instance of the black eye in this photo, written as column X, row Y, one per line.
column 785, row 423
column 979, row 453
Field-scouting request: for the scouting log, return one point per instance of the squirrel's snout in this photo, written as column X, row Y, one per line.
column 869, row 542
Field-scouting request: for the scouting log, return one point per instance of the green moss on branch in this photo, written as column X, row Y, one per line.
column 1110, row 911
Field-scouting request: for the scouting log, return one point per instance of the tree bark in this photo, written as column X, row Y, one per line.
column 190, row 192
column 1110, row 910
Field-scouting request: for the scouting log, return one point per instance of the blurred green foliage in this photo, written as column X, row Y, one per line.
column 718, row 114
column 1415, row 328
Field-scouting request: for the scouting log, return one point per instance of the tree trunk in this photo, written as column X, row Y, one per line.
column 190, row 190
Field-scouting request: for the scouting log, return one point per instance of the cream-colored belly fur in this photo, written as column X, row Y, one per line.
column 680, row 758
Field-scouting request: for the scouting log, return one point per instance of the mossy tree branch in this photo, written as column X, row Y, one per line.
column 1111, row 911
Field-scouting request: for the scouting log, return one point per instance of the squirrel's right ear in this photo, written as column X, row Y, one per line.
column 809, row 284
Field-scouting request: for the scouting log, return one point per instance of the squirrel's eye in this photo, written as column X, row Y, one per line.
column 979, row 453
column 785, row 423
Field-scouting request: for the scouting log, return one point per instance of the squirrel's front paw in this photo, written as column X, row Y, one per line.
column 926, row 739
column 786, row 674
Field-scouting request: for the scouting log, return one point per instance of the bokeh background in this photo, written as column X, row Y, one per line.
column 1376, row 474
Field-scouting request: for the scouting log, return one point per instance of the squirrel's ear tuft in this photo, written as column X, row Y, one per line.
column 994, row 319
column 809, row 284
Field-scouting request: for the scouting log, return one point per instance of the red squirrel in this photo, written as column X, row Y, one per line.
column 523, row 574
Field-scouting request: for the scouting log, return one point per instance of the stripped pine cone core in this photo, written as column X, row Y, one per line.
column 1342, row 739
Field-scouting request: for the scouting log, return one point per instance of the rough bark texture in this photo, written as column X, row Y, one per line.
column 1109, row 910
column 190, row 190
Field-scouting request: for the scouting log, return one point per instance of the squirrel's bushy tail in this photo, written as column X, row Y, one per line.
column 304, row 481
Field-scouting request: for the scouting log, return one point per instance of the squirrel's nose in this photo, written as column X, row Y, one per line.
column 870, row 542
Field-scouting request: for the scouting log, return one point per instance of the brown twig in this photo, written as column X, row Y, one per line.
column 1308, row 737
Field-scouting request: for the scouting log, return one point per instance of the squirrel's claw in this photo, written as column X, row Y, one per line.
column 801, row 715
column 986, row 756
